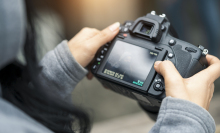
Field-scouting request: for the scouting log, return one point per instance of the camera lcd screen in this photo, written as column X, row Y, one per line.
column 130, row 63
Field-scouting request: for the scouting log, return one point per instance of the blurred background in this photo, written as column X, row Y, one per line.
column 196, row 21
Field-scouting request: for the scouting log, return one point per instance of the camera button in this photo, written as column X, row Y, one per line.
column 158, row 86
column 172, row 42
column 94, row 67
column 163, row 28
column 189, row 49
column 128, row 24
column 102, row 52
column 125, row 35
column 124, row 29
column 98, row 59
column 170, row 55
column 121, row 36
column 102, row 56
column 159, row 48
column 105, row 49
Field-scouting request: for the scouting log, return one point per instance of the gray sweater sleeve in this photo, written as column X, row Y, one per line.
column 181, row 116
column 60, row 71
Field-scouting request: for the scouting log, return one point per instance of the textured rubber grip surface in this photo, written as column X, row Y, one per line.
column 195, row 68
column 183, row 60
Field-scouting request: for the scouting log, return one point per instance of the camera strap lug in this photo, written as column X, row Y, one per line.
column 204, row 51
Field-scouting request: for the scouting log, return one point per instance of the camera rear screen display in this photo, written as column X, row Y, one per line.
column 130, row 63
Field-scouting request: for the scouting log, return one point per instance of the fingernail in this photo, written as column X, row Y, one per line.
column 114, row 27
column 157, row 63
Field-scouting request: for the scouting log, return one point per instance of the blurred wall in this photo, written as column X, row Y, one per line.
column 99, row 13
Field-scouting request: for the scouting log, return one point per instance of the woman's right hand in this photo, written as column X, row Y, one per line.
column 198, row 89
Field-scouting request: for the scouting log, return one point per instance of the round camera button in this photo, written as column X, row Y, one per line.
column 172, row 42
column 158, row 86
column 163, row 28
column 98, row 59
column 102, row 52
column 94, row 67
column 170, row 55
column 106, row 49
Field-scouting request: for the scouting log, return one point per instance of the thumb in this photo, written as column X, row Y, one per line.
column 174, row 84
column 169, row 72
column 105, row 35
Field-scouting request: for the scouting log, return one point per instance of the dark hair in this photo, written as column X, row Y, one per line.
column 21, row 87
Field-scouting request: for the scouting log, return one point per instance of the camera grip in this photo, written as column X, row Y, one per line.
column 185, row 64
column 183, row 60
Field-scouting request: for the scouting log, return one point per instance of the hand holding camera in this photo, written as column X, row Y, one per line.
column 198, row 89
column 86, row 43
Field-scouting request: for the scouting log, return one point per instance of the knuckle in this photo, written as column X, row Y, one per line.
column 213, row 85
column 86, row 29
column 95, row 30
column 165, row 64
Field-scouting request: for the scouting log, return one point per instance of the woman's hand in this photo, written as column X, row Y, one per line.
column 198, row 89
column 86, row 43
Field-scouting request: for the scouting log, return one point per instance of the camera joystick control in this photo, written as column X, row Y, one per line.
column 158, row 86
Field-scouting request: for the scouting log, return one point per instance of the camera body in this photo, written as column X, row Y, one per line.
column 126, row 65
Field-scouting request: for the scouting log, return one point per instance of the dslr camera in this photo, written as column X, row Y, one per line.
column 126, row 65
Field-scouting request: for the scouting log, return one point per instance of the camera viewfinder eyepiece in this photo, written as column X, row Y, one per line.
column 147, row 29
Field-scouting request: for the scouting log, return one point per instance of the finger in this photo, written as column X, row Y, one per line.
column 87, row 33
column 211, row 59
column 210, row 96
column 212, row 72
column 167, row 70
column 89, row 75
column 105, row 36
column 174, row 84
column 212, row 91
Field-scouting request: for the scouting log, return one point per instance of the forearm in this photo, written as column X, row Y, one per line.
column 61, row 72
column 181, row 116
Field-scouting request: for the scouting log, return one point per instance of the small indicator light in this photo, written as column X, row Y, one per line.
column 125, row 35
column 99, row 63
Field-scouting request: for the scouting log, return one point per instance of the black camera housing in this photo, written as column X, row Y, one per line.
column 155, row 34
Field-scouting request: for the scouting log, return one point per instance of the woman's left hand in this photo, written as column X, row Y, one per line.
column 86, row 43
